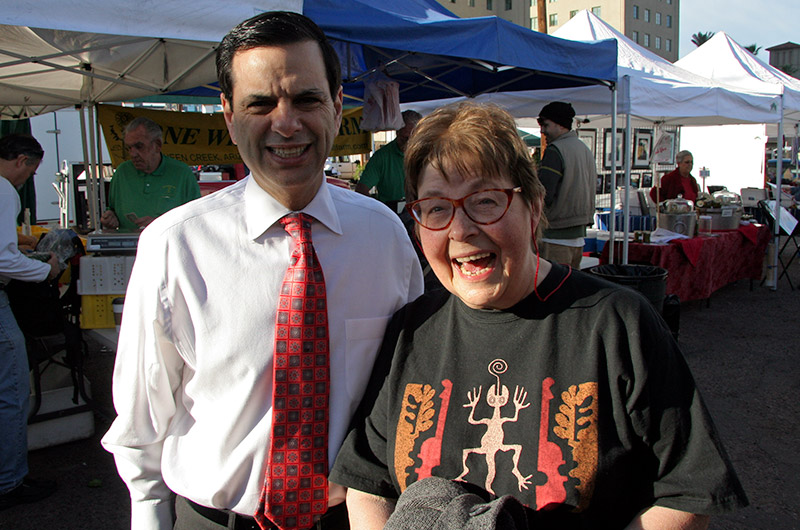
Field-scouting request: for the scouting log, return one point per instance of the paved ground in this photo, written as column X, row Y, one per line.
column 743, row 347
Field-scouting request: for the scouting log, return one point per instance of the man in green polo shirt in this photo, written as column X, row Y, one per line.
column 148, row 184
column 385, row 169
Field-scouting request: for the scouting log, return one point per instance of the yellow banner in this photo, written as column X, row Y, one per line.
column 351, row 139
column 191, row 137
column 201, row 139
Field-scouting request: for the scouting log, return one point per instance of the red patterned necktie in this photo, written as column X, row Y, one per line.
column 295, row 492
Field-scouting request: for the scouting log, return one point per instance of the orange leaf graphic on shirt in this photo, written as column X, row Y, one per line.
column 415, row 418
column 577, row 424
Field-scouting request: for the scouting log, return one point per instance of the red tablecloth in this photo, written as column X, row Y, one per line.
column 699, row 266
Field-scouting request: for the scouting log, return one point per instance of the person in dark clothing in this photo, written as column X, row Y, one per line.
column 522, row 377
column 679, row 181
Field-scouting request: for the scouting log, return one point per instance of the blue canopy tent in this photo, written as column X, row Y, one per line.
column 434, row 55
column 57, row 53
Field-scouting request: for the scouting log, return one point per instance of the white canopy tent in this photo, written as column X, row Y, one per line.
column 56, row 53
column 650, row 89
column 65, row 53
column 652, row 92
column 722, row 58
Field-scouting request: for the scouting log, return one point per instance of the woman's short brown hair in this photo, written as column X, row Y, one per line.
column 473, row 139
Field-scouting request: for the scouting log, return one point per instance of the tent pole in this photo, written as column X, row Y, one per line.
column 778, row 194
column 626, row 202
column 656, row 133
column 613, row 196
column 90, row 204
column 101, row 177
column 96, row 180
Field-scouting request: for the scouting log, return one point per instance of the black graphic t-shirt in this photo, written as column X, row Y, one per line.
column 582, row 407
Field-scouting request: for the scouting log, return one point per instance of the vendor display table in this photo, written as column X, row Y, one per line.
column 699, row 266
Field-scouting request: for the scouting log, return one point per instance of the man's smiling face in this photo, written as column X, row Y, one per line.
column 282, row 118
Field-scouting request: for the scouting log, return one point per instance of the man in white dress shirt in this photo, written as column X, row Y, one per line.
column 193, row 377
column 20, row 156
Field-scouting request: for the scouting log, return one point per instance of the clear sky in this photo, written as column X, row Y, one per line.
column 761, row 22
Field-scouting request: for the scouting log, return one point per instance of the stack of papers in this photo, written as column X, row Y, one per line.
column 662, row 235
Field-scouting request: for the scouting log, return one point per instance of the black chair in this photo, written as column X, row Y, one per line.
column 769, row 215
column 49, row 318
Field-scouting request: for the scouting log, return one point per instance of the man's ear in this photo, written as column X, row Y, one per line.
column 338, row 104
column 227, row 113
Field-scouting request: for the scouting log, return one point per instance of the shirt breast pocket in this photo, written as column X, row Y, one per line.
column 364, row 337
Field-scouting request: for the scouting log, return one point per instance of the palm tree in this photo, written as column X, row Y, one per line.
column 699, row 38
column 789, row 69
column 753, row 48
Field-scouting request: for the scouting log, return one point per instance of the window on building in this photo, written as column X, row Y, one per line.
column 596, row 11
column 658, row 43
column 669, row 21
column 646, row 15
column 646, row 41
column 668, row 45
column 658, row 18
column 635, row 12
column 573, row 13
column 535, row 23
column 553, row 20
column 669, row 2
column 552, row 1
column 635, row 37
column 532, row 3
column 490, row 5
column 508, row 5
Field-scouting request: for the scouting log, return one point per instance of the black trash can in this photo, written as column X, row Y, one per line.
column 649, row 280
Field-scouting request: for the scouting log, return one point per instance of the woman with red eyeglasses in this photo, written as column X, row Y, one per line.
column 523, row 394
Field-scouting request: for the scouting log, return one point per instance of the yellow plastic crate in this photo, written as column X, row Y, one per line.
column 96, row 311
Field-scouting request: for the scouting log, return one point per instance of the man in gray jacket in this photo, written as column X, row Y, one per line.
column 569, row 176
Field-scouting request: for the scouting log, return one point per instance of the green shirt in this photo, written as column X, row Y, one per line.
column 150, row 194
column 385, row 171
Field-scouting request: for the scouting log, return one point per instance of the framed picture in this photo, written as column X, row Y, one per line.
column 607, row 148
column 604, row 182
column 589, row 137
column 647, row 180
column 642, row 145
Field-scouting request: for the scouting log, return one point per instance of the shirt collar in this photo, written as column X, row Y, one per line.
column 262, row 210
column 161, row 166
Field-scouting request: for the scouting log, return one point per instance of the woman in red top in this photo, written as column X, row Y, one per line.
column 679, row 181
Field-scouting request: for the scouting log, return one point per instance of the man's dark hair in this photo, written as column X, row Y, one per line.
column 411, row 116
column 270, row 29
column 13, row 145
